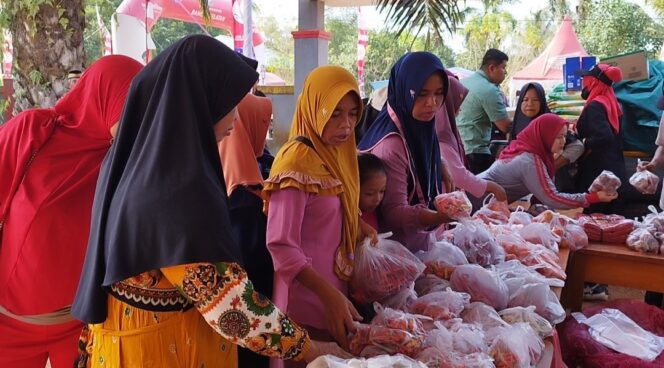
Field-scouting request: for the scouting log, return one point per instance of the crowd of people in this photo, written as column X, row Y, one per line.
column 144, row 223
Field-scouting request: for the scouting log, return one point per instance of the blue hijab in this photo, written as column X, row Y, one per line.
column 407, row 78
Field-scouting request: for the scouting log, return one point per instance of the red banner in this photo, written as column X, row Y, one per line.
column 362, row 43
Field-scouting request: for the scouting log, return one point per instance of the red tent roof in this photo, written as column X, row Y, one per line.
column 549, row 65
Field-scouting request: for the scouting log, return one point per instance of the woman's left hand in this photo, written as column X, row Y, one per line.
column 448, row 181
column 367, row 231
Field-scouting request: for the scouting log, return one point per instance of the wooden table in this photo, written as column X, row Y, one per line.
column 612, row 264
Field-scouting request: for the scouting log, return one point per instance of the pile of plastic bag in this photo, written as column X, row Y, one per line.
column 381, row 361
column 644, row 181
column 628, row 338
column 480, row 296
column 648, row 235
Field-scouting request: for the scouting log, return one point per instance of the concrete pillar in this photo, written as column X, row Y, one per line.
column 311, row 40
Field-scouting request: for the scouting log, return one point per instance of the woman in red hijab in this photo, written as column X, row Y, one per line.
column 49, row 162
column 527, row 165
column 599, row 128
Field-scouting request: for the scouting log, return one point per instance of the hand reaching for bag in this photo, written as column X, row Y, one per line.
column 606, row 197
column 340, row 315
column 367, row 231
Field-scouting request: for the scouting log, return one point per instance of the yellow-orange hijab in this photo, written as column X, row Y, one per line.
column 327, row 170
column 238, row 151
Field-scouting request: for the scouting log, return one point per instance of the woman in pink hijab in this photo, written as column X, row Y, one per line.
column 451, row 146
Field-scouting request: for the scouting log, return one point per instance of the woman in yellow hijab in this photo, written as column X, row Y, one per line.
column 313, row 215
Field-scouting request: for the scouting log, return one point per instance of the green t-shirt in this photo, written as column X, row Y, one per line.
column 483, row 105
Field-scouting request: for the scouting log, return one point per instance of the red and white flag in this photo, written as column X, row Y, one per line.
column 105, row 35
column 362, row 42
column 7, row 55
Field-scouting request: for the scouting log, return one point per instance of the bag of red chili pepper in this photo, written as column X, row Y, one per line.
column 383, row 270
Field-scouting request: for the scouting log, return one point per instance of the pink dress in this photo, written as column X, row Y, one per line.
column 449, row 152
column 303, row 229
column 397, row 214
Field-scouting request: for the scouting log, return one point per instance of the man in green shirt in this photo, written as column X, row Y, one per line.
column 483, row 105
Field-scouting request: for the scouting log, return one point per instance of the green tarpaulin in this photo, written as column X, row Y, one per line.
column 640, row 119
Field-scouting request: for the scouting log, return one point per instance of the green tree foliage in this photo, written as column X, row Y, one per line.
column 166, row 31
column 342, row 25
column 482, row 32
column 414, row 16
column 611, row 27
column 384, row 49
column 281, row 48
column 92, row 37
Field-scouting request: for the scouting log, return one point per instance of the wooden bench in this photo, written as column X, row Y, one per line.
column 612, row 264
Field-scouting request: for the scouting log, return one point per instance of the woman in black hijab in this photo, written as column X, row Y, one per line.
column 531, row 104
column 161, row 241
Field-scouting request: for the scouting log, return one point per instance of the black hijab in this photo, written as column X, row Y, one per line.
column 521, row 121
column 161, row 198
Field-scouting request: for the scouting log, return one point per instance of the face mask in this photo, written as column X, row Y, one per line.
column 585, row 94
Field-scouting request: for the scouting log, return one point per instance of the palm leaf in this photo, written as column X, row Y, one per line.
column 415, row 15
column 205, row 9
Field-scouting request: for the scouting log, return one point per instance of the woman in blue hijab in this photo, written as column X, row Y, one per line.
column 404, row 138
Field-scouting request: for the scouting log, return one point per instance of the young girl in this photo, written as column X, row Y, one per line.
column 373, row 182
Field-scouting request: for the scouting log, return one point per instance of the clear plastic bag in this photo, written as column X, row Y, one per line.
column 455, row 205
column 540, row 296
column 517, row 346
column 398, row 320
column 613, row 329
column 483, row 285
column 545, row 261
column 402, row 299
column 382, row 270
column 367, row 338
column 468, row 339
column 606, row 181
column 477, row 243
column 381, row 361
column 644, row 181
column 482, row 315
column 574, row 238
column 493, row 212
column 540, row 233
column 514, row 269
column 643, row 241
column 441, row 259
column 527, row 315
column 654, row 221
column 428, row 284
column 520, row 217
column 441, row 305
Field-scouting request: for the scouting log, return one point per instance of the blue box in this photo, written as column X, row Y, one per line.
column 572, row 65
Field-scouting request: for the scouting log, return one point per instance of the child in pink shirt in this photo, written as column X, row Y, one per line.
column 373, row 183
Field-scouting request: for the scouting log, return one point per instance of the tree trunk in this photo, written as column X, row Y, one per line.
column 46, row 47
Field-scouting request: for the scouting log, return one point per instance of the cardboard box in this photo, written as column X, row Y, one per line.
column 634, row 65
column 572, row 65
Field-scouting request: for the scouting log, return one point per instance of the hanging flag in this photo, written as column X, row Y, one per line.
column 247, row 21
column 104, row 34
column 7, row 55
column 238, row 27
column 362, row 42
